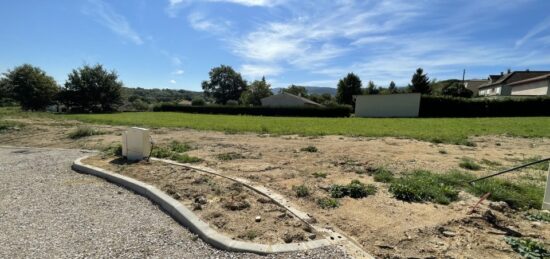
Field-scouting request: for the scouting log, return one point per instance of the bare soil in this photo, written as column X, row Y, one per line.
column 384, row 226
column 225, row 205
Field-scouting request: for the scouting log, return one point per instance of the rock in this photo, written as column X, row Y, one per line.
column 448, row 233
column 312, row 236
column 385, row 246
column 264, row 200
column 498, row 205
column 201, row 200
column 536, row 224
column 258, row 219
column 197, row 206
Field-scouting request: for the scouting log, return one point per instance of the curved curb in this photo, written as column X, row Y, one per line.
column 188, row 219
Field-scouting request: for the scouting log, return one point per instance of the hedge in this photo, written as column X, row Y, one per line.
column 335, row 111
column 438, row 106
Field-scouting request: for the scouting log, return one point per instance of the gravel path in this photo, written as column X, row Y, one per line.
column 48, row 210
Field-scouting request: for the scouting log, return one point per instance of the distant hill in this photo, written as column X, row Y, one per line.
column 312, row 90
column 156, row 95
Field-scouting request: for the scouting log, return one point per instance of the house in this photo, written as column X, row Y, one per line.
column 516, row 83
column 288, row 100
column 474, row 84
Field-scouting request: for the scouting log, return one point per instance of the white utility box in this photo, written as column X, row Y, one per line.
column 136, row 144
column 546, row 201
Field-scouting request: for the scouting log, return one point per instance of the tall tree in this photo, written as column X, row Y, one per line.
column 92, row 89
column 255, row 92
column 296, row 90
column 347, row 88
column 392, row 89
column 457, row 89
column 225, row 84
column 420, row 82
column 30, row 86
column 371, row 88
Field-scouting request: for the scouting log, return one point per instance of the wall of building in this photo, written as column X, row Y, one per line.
column 393, row 105
column 282, row 100
column 534, row 88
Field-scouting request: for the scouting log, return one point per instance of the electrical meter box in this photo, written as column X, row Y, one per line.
column 546, row 201
column 136, row 144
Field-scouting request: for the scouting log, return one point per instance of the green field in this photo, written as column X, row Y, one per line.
column 448, row 130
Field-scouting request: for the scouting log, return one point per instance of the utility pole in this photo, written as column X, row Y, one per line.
column 463, row 75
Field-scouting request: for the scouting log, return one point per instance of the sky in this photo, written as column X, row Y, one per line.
column 175, row 43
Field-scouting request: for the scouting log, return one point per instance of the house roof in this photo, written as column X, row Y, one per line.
column 534, row 79
column 305, row 100
column 513, row 77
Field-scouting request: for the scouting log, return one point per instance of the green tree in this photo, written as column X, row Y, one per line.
column 255, row 92
column 296, row 90
column 420, row 82
column 347, row 88
column 30, row 86
column 457, row 90
column 371, row 88
column 225, row 84
column 92, row 89
column 392, row 89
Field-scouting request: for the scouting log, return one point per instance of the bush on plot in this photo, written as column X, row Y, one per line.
column 84, row 131
column 355, row 190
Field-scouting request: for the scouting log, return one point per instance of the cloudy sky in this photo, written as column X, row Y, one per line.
column 174, row 43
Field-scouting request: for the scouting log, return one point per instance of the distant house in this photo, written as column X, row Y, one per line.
column 517, row 83
column 474, row 84
column 185, row 102
column 288, row 100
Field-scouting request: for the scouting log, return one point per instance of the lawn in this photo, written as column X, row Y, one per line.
column 448, row 130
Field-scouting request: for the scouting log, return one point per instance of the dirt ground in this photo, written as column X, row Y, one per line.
column 384, row 226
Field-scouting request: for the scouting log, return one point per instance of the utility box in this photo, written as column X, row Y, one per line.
column 546, row 201
column 136, row 144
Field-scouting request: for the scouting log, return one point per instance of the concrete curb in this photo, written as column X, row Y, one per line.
column 188, row 219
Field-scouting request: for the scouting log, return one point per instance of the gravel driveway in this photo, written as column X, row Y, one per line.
column 47, row 210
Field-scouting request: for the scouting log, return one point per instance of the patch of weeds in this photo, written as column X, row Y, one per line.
column 527, row 248
column 264, row 130
column 301, row 191
column 423, row 186
column 468, row 163
column 178, row 147
column 83, row 131
column 251, row 234
column 355, row 190
column 229, row 156
column 465, row 142
column 328, row 203
column 113, row 150
column 443, row 151
column 489, row 162
column 319, row 175
column 538, row 216
column 236, row 203
column 540, row 166
column 436, row 140
column 517, row 195
column 311, row 149
column 383, row 175
column 230, row 131
column 163, row 152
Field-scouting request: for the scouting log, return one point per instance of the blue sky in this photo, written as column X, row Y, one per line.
column 174, row 43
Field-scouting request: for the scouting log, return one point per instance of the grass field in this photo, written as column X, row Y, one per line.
column 448, row 130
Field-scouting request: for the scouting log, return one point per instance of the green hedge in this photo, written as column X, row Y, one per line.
column 438, row 106
column 336, row 111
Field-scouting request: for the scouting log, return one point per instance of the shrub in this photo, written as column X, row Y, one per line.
column 179, row 147
column 517, row 195
column 197, row 101
column 439, row 106
column 355, row 190
column 301, row 190
column 469, row 164
column 383, row 175
column 528, row 248
column 311, row 149
column 163, row 152
column 328, row 203
column 232, row 103
column 319, row 175
column 113, row 150
column 334, row 111
column 424, row 186
column 83, row 131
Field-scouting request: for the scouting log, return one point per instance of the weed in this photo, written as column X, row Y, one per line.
column 84, row 131
column 179, row 147
column 528, row 248
column 383, row 175
column 468, row 163
column 540, row 166
column 319, row 175
column 301, row 190
column 311, row 149
column 538, row 216
column 489, row 162
column 163, row 152
column 443, row 151
column 229, row 156
column 328, row 203
column 355, row 190
column 113, row 150
column 517, row 195
column 423, row 186
column 251, row 234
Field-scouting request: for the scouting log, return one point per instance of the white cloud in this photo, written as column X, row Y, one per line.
column 537, row 29
column 173, row 81
column 252, row 71
column 178, row 72
column 108, row 17
column 265, row 3
column 198, row 21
